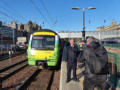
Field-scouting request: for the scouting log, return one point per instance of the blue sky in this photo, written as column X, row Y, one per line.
column 59, row 16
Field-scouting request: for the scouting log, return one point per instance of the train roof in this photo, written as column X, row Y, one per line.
column 46, row 30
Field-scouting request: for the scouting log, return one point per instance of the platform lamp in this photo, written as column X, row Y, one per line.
column 89, row 8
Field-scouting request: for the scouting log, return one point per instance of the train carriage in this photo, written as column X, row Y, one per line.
column 43, row 48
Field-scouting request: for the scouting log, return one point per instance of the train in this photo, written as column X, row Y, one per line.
column 115, row 43
column 111, row 41
column 43, row 48
column 6, row 39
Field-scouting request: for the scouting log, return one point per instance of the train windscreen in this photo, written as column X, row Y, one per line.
column 43, row 42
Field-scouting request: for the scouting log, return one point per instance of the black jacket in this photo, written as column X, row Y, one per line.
column 85, row 57
column 70, row 54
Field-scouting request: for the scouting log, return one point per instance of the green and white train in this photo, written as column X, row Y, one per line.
column 44, row 48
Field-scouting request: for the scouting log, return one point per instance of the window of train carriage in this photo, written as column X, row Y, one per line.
column 43, row 42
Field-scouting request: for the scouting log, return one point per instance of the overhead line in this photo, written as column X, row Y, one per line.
column 9, row 7
column 44, row 6
column 6, row 10
column 39, row 11
column 3, row 13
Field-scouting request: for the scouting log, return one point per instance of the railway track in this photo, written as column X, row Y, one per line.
column 6, row 72
column 12, row 61
column 18, row 78
column 39, row 80
column 11, row 66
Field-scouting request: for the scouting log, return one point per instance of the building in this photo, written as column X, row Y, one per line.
column 113, row 26
column 29, row 27
column 12, row 25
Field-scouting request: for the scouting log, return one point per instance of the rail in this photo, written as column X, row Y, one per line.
column 44, row 77
column 27, row 81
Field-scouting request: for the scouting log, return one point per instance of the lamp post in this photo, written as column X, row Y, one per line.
column 89, row 8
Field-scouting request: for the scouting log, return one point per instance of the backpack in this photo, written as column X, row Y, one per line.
column 98, row 61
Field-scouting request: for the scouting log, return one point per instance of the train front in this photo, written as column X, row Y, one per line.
column 43, row 49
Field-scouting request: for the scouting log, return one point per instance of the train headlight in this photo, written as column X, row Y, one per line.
column 32, row 52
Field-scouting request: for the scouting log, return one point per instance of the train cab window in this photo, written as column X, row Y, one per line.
column 43, row 42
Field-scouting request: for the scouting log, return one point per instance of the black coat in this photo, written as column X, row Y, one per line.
column 70, row 54
column 85, row 57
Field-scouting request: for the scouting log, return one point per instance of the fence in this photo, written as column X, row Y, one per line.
column 114, row 59
column 117, row 46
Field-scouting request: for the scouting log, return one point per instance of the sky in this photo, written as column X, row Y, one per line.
column 58, row 14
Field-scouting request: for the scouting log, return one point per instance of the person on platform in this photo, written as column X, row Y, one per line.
column 70, row 53
column 96, row 61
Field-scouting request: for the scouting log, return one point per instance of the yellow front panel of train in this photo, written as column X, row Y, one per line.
column 42, row 55
column 44, row 33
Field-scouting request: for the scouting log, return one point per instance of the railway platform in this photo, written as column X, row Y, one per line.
column 72, row 85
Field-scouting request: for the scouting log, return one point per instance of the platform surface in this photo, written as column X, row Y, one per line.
column 72, row 85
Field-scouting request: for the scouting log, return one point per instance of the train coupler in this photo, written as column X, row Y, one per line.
column 41, row 65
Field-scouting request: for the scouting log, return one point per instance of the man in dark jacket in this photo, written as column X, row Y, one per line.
column 95, row 58
column 70, row 56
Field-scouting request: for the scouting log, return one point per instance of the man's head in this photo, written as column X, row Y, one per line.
column 72, row 42
column 90, row 40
